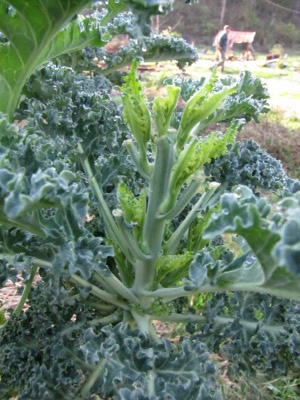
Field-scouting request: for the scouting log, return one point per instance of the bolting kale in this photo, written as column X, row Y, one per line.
column 123, row 215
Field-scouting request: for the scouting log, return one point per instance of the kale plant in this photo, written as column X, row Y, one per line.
column 123, row 212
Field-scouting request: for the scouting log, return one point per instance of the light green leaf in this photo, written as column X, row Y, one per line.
column 200, row 106
column 134, row 208
column 176, row 266
column 198, row 153
column 31, row 30
column 136, row 112
column 164, row 107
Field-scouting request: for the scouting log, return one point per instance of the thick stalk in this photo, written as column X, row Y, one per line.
column 154, row 226
column 131, row 243
column 145, row 325
column 104, row 285
column 109, row 319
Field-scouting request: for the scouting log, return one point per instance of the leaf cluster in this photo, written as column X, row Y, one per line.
column 255, row 332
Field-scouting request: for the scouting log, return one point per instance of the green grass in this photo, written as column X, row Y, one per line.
column 258, row 388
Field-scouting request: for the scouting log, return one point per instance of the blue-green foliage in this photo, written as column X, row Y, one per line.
column 255, row 332
column 158, row 49
column 247, row 164
column 98, row 60
column 46, row 355
column 65, row 108
column 35, row 362
column 143, row 370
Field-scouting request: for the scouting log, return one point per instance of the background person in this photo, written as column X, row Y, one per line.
column 222, row 47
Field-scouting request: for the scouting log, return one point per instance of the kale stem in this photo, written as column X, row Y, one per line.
column 97, row 372
column 27, row 226
column 26, row 291
column 131, row 243
column 183, row 201
column 41, row 263
column 218, row 320
column 174, row 317
column 99, row 279
column 119, row 287
column 135, row 158
column 109, row 319
column 169, row 294
column 153, row 228
column 110, row 224
column 142, row 321
column 101, row 294
column 174, row 240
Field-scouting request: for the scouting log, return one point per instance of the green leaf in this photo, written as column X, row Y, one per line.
column 256, row 332
column 30, row 29
column 199, row 152
column 136, row 112
column 199, row 267
column 114, row 7
column 180, row 373
column 200, row 106
column 195, row 239
column 164, row 107
column 274, row 241
column 176, row 266
column 287, row 250
column 241, row 214
column 75, row 36
column 2, row 320
column 134, row 209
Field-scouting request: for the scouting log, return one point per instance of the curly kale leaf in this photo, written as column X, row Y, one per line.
column 287, row 250
column 157, row 49
column 246, row 164
column 188, row 86
column 62, row 108
column 135, row 367
column 163, row 108
column 135, row 109
column 31, row 31
column 40, row 349
column 254, row 332
column 199, row 152
column 273, row 238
